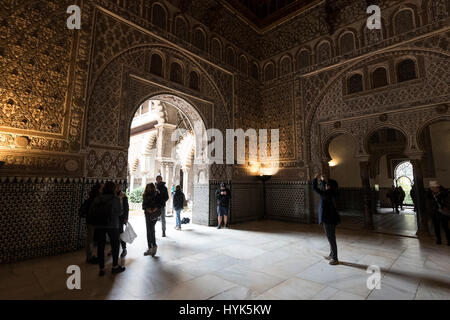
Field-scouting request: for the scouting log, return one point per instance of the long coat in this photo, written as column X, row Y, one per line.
column 105, row 212
column 327, row 208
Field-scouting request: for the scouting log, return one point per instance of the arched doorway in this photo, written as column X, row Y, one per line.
column 404, row 178
column 165, row 133
column 343, row 167
column 433, row 139
column 390, row 168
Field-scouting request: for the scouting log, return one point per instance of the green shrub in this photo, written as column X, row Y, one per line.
column 136, row 195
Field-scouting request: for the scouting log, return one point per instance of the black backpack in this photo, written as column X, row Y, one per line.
column 100, row 213
column 185, row 221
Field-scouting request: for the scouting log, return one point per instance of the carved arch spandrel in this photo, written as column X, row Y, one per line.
column 108, row 94
column 313, row 132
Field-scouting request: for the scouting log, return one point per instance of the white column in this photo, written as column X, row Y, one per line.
column 185, row 181
column 132, row 183
column 144, row 179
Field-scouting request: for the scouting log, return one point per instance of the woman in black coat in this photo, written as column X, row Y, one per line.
column 328, row 215
column 151, row 204
column 178, row 205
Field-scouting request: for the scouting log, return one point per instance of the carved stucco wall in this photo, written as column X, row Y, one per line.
column 116, row 93
column 405, row 106
column 42, row 93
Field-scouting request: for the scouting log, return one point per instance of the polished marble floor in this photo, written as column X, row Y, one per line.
column 384, row 221
column 257, row 260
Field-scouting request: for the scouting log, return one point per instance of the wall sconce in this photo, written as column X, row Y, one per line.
column 333, row 163
column 254, row 167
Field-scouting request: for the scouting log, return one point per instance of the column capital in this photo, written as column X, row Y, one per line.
column 166, row 125
column 166, row 163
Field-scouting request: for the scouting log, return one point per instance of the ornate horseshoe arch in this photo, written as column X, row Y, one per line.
column 122, row 86
column 316, row 132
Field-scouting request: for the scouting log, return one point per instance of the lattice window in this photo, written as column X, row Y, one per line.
column 355, row 83
column 194, row 80
column 159, row 16
column 181, row 29
column 231, row 59
column 243, row 66
column 347, row 43
column 199, row 39
column 269, row 72
column 404, row 21
column 286, row 66
column 323, row 52
column 254, row 71
column 156, row 65
column 303, row 59
column 216, row 49
column 406, row 70
column 176, row 73
column 379, row 78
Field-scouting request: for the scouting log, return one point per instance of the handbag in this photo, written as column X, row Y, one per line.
column 128, row 235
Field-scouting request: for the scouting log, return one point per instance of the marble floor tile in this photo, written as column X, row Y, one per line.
column 257, row 281
column 296, row 289
column 240, row 251
column 201, row 288
column 236, row 293
column 267, row 260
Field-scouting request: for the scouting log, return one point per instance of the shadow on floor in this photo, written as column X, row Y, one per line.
column 404, row 274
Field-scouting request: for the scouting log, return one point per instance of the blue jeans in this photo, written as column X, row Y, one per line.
column 178, row 217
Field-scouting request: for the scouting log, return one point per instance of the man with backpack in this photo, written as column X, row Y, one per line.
column 161, row 186
column 105, row 215
column 84, row 211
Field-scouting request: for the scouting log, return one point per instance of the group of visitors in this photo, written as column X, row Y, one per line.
column 106, row 212
column 397, row 196
column 329, row 216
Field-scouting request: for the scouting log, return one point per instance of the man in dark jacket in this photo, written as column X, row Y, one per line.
column 412, row 193
column 328, row 215
column 394, row 196
column 178, row 205
column 161, row 186
column 123, row 219
column 104, row 215
column 401, row 197
column 223, row 196
column 440, row 200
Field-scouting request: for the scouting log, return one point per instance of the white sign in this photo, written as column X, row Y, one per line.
column 74, row 21
column 74, row 281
